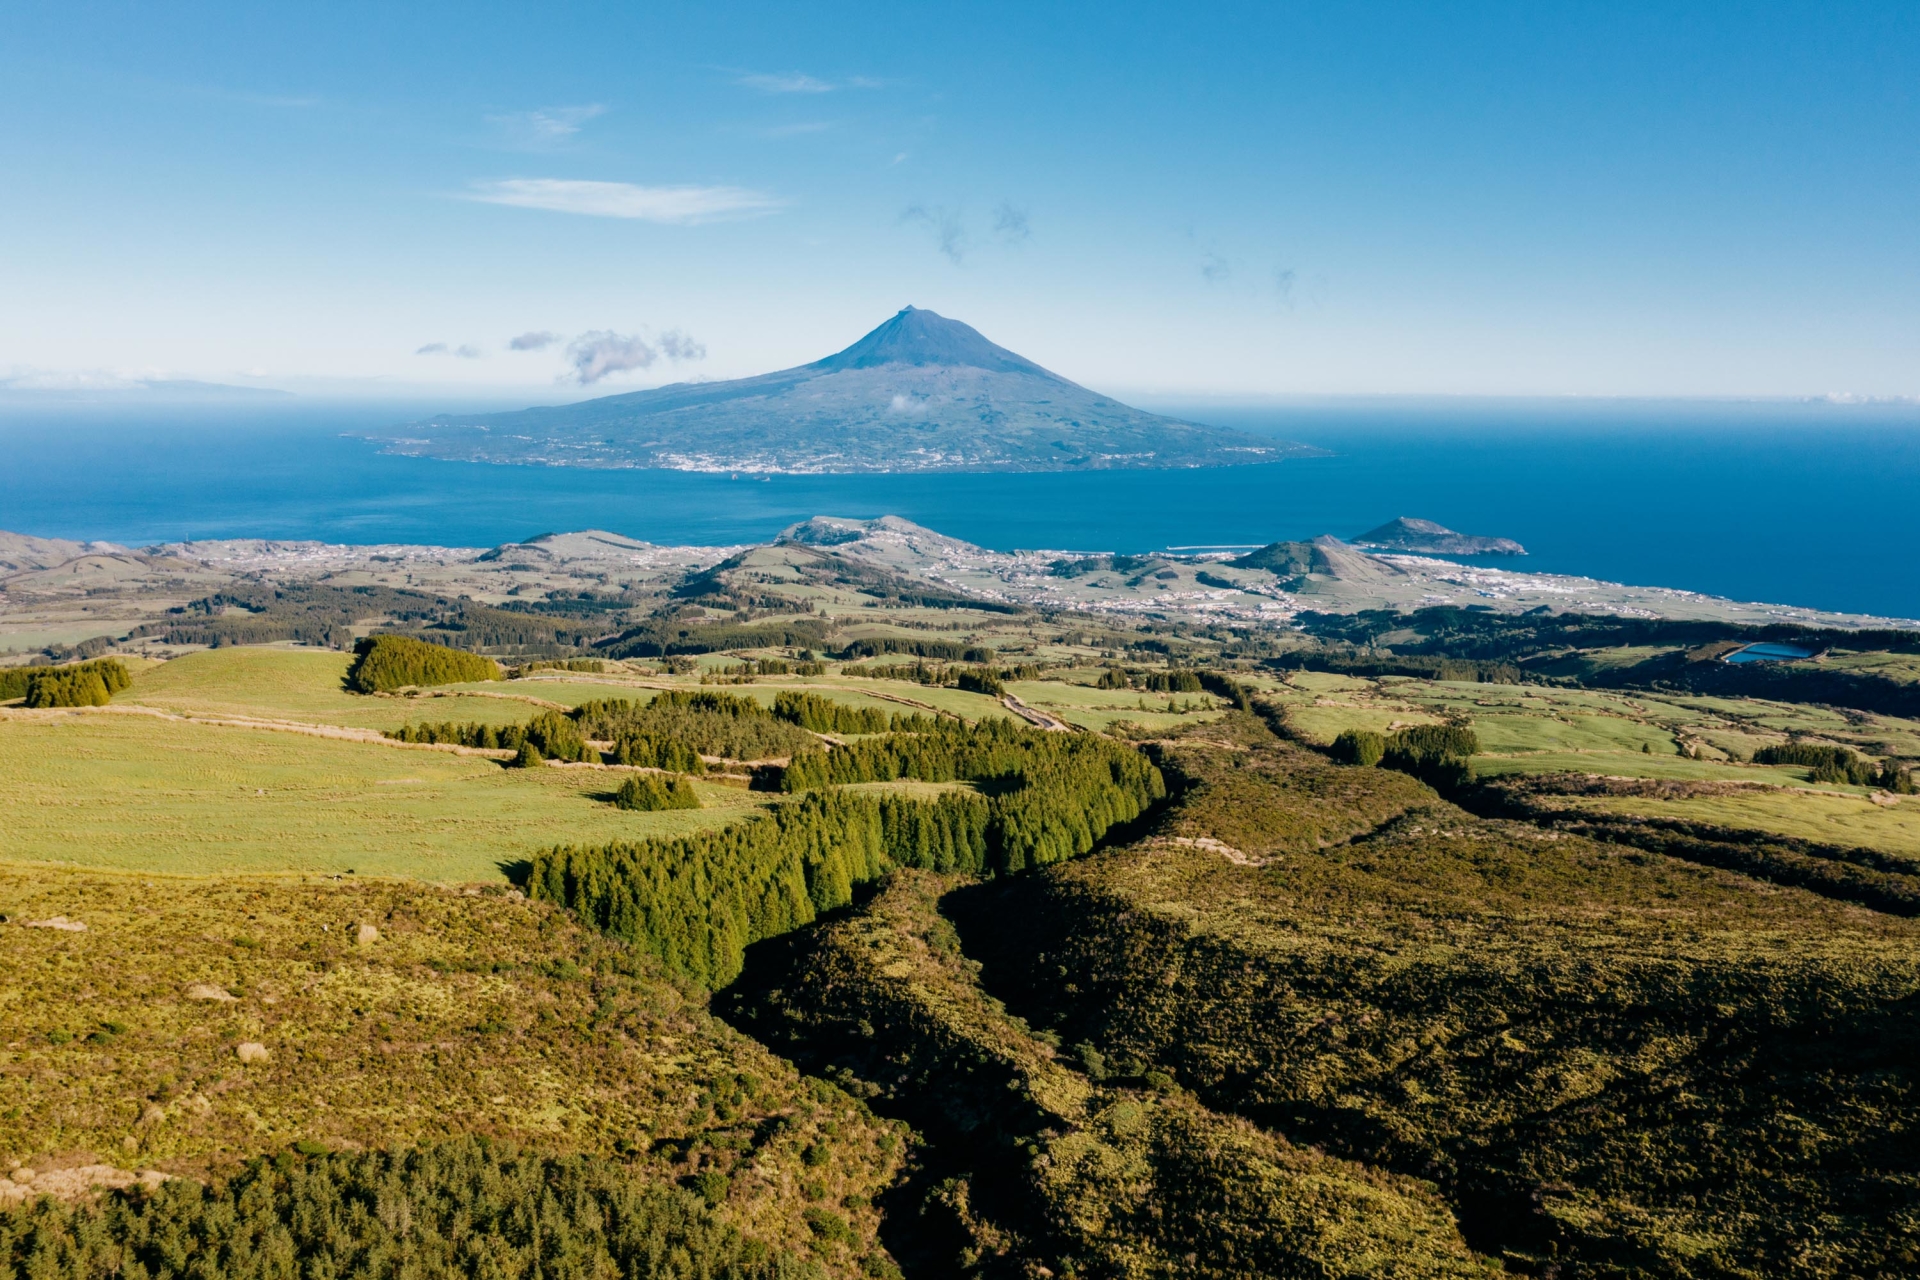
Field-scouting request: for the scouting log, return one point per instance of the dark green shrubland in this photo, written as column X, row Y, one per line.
column 80, row 684
column 386, row 662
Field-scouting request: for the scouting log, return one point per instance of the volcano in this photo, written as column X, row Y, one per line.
column 919, row 393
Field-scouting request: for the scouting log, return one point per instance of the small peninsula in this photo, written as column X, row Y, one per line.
column 1424, row 536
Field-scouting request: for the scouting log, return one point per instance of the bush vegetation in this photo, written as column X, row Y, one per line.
column 1361, row 747
column 83, row 684
column 650, row 792
column 1610, row 1063
column 386, row 662
column 1036, row 1168
column 465, row 1013
column 1437, row 754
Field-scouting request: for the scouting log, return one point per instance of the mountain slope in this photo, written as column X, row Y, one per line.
column 919, row 393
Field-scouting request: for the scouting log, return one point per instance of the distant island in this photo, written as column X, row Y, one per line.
column 1409, row 534
column 919, row 393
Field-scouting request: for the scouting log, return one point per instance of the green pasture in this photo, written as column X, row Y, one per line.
column 1827, row 816
column 1096, row 709
column 140, row 793
column 280, row 682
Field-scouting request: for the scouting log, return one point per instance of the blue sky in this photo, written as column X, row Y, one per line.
column 1238, row 200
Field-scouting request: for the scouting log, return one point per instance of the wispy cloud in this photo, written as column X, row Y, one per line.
column 466, row 351
column 544, row 126
column 1010, row 224
column 677, row 344
column 800, row 82
column 602, row 352
column 1214, row 269
column 949, row 231
column 1283, row 280
column 783, row 82
column 683, row 205
column 533, row 340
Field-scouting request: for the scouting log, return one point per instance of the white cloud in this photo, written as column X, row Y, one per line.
column 544, row 126
column 533, row 340
column 624, row 199
column 599, row 353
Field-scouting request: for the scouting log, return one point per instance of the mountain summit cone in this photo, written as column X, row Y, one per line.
column 919, row 393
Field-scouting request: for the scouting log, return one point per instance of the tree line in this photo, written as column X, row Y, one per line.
column 698, row 901
column 1172, row 680
column 1839, row 765
column 674, row 729
column 823, row 715
column 659, row 638
column 914, row 647
column 82, row 684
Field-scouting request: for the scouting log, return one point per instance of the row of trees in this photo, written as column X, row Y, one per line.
column 1174, row 680
column 942, row 650
column 593, row 666
column 83, row 684
column 386, row 662
column 553, row 735
column 1839, row 765
column 675, row 729
column 698, row 901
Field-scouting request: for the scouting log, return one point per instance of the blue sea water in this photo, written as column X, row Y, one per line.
column 1807, row 504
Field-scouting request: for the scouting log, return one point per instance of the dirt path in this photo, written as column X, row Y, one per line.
column 1035, row 716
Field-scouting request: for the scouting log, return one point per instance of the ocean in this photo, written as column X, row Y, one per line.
column 1814, row 504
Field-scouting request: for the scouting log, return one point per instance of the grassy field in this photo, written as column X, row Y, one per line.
column 1541, row 725
column 1095, row 709
column 202, row 799
column 463, row 1013
column 1525, row 729
column 291, row 683
column 138, row 792
column 1827, row 816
